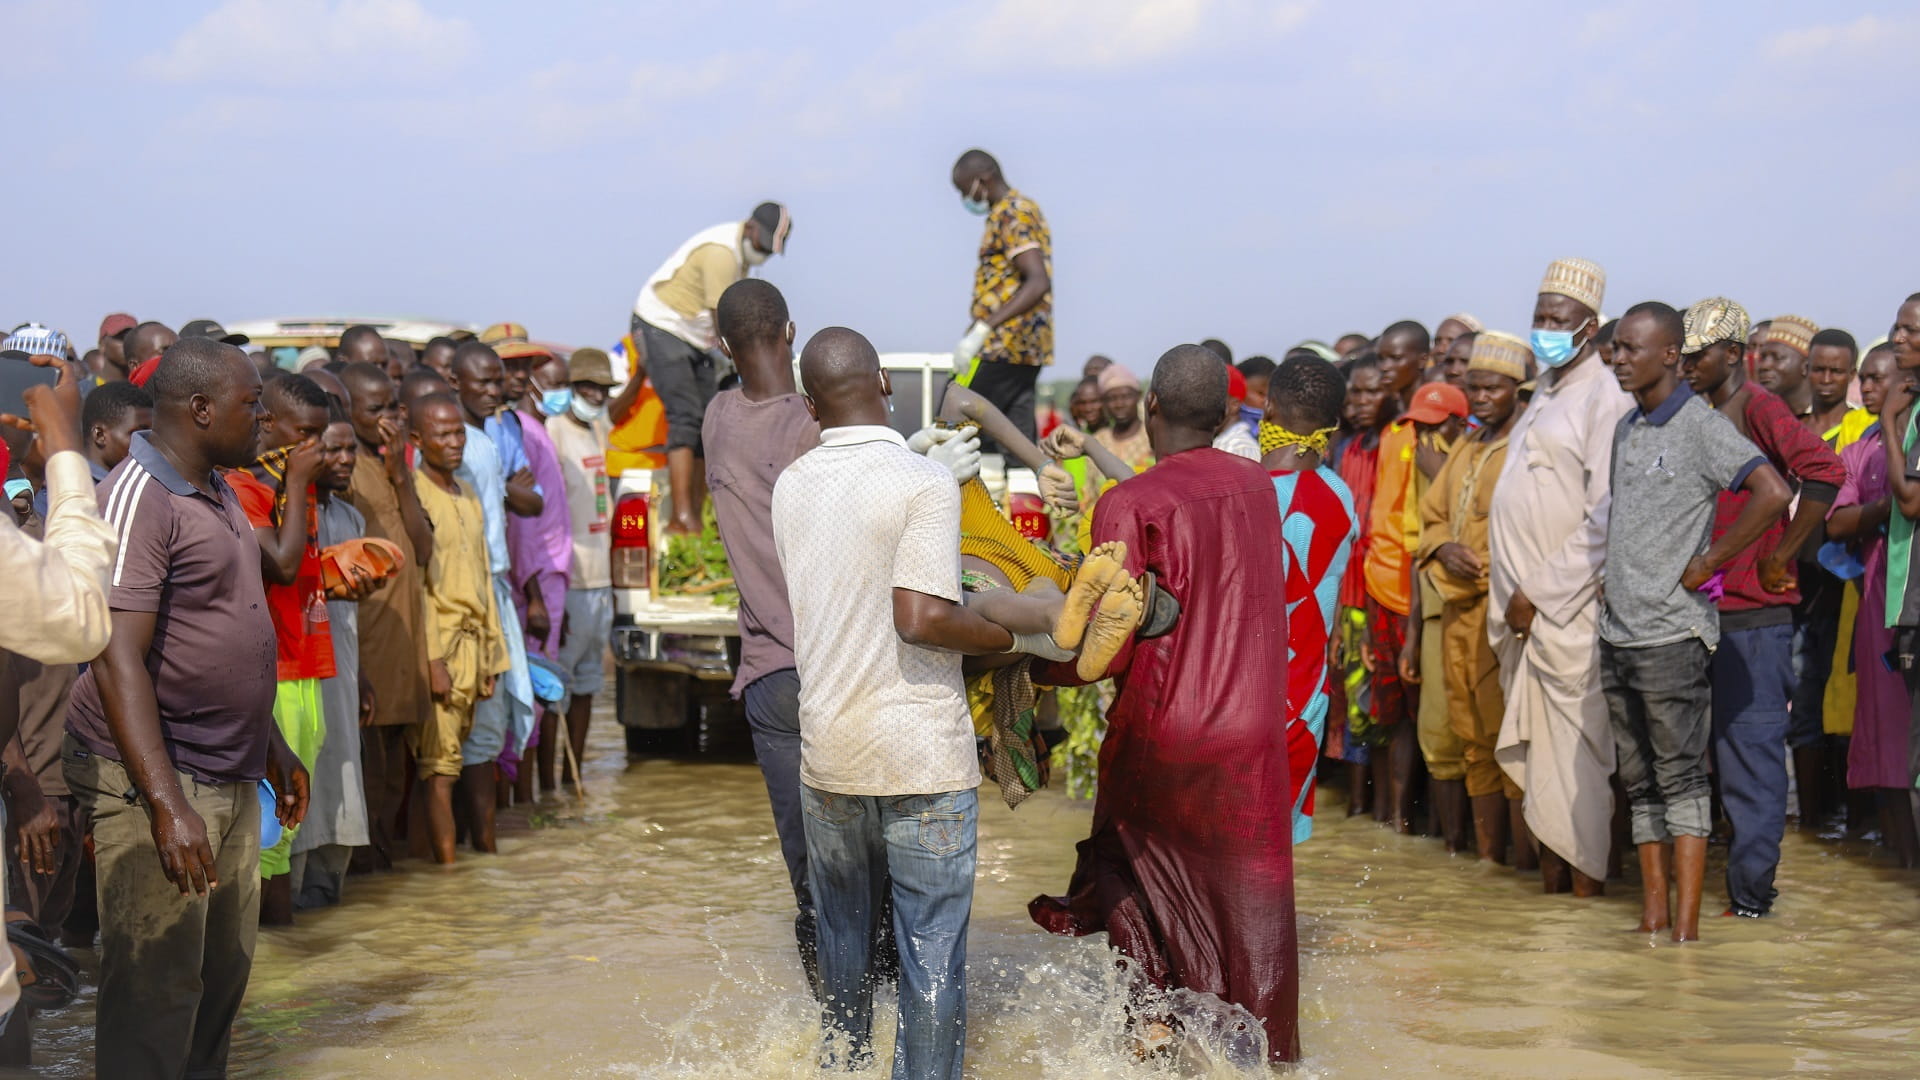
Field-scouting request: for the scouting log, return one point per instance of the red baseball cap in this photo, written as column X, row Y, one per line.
column 115, row 323
column 1236, row 384
column 1436, row 401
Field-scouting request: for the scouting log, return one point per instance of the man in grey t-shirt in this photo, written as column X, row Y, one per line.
column 1672, row 456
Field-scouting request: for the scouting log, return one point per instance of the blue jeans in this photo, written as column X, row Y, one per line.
column 773, row 714
column 926, row 843
column 1752, row 683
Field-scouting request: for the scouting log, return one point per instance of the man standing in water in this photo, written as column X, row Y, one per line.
column 865, row 531
column 1453, row 543
column 1012, row 310
column 1547, row 530
column 1189, row 868
column 755, row 432
column 673, row 326
column 1673, row 457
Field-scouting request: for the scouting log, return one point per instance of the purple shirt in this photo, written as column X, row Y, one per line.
column 543, row 543
column 192, row 560
column 749, row 444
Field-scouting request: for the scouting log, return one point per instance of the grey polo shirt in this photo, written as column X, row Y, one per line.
column 1669, row 468
column 193, row 561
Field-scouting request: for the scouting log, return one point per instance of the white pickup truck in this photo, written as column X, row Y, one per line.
column 675, row 656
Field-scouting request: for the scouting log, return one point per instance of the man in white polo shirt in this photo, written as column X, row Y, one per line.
column 867, row 533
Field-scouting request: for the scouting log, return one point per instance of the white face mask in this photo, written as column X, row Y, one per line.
column 753, row 255
column 584, row 412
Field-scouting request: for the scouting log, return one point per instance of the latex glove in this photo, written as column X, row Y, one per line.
column 924, row 440
column 969, row 347
column 1040, row 645
column 1056, row 489
column 960, row 453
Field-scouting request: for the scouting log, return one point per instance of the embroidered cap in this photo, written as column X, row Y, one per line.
column 1500, row 352
column 1577, row 279
column 1791, row 331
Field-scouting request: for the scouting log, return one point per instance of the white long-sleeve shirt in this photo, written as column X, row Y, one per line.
column 55, row 589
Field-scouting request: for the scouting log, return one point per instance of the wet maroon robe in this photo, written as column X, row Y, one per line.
column 1190, row 866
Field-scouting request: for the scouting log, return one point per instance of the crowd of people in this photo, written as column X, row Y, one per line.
column 379, row 583
column 1612, row 586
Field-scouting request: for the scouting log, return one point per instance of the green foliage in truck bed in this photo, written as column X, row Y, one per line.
column 697, row 565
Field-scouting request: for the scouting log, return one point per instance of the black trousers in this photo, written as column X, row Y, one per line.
column 1010, row 388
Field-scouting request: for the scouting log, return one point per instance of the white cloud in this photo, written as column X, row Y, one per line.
column 1108, row 35
column 297, row 42
column 1865, row 37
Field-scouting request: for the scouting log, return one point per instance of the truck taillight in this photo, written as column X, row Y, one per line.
column 630, row 522
column 630, row 551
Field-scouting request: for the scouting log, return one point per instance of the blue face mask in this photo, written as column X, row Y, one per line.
column 555, row 402
column 18, row 487
column 1555, row 347
column 976, row 207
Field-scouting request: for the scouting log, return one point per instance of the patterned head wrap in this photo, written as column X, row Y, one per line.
column 1577, row 279
column 1500, row 352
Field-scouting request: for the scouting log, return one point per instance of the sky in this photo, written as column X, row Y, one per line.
column 1257, row 172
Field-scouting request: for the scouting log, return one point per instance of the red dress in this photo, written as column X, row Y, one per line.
column 1189, row 868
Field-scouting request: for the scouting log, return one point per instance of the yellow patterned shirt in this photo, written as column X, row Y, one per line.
column 1014, row 225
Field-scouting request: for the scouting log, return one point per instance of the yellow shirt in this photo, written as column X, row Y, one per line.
column 459, row 585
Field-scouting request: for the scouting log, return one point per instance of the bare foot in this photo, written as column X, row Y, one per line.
column 1121, row 610
column 1102, row 567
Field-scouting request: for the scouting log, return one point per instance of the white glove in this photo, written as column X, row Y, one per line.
column 922, row 441
column 1040, row 645
column 969, row 347
column 959, row 451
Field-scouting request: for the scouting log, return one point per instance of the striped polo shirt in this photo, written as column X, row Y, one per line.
column 192, row 560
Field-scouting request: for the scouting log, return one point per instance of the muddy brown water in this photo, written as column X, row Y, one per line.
column 647, row 933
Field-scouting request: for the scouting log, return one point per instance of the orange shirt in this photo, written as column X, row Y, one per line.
column 1389, row 566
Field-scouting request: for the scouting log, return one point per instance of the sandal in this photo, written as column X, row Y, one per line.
column 379, row 559
column 56, row 979
column 1163, row 611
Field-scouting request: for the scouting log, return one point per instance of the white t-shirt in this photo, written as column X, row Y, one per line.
column 853, row 520
column 583, row 463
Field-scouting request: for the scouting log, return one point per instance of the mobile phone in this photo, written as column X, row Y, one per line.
column 16, row 376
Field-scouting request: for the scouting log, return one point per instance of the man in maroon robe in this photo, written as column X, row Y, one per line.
column 1189, row 868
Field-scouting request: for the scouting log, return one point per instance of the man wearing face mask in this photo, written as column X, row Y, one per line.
column 1548, row 530
column 1011, row 336
column 673, row 326
column 580, row 438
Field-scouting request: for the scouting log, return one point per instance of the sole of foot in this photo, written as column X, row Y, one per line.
column 1098, row 572
column 1112, row 624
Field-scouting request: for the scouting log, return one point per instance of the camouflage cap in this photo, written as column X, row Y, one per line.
column 1714, row 320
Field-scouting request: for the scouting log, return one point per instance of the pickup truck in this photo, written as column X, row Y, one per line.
column 675, row 655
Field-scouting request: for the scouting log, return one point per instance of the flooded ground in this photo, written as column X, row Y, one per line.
column 647, row 933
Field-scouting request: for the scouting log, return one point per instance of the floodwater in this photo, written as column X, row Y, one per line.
column 647, row 933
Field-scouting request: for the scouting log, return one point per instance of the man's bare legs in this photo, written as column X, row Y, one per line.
column 477, row 783
column 687, row 488
column 435, row 796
